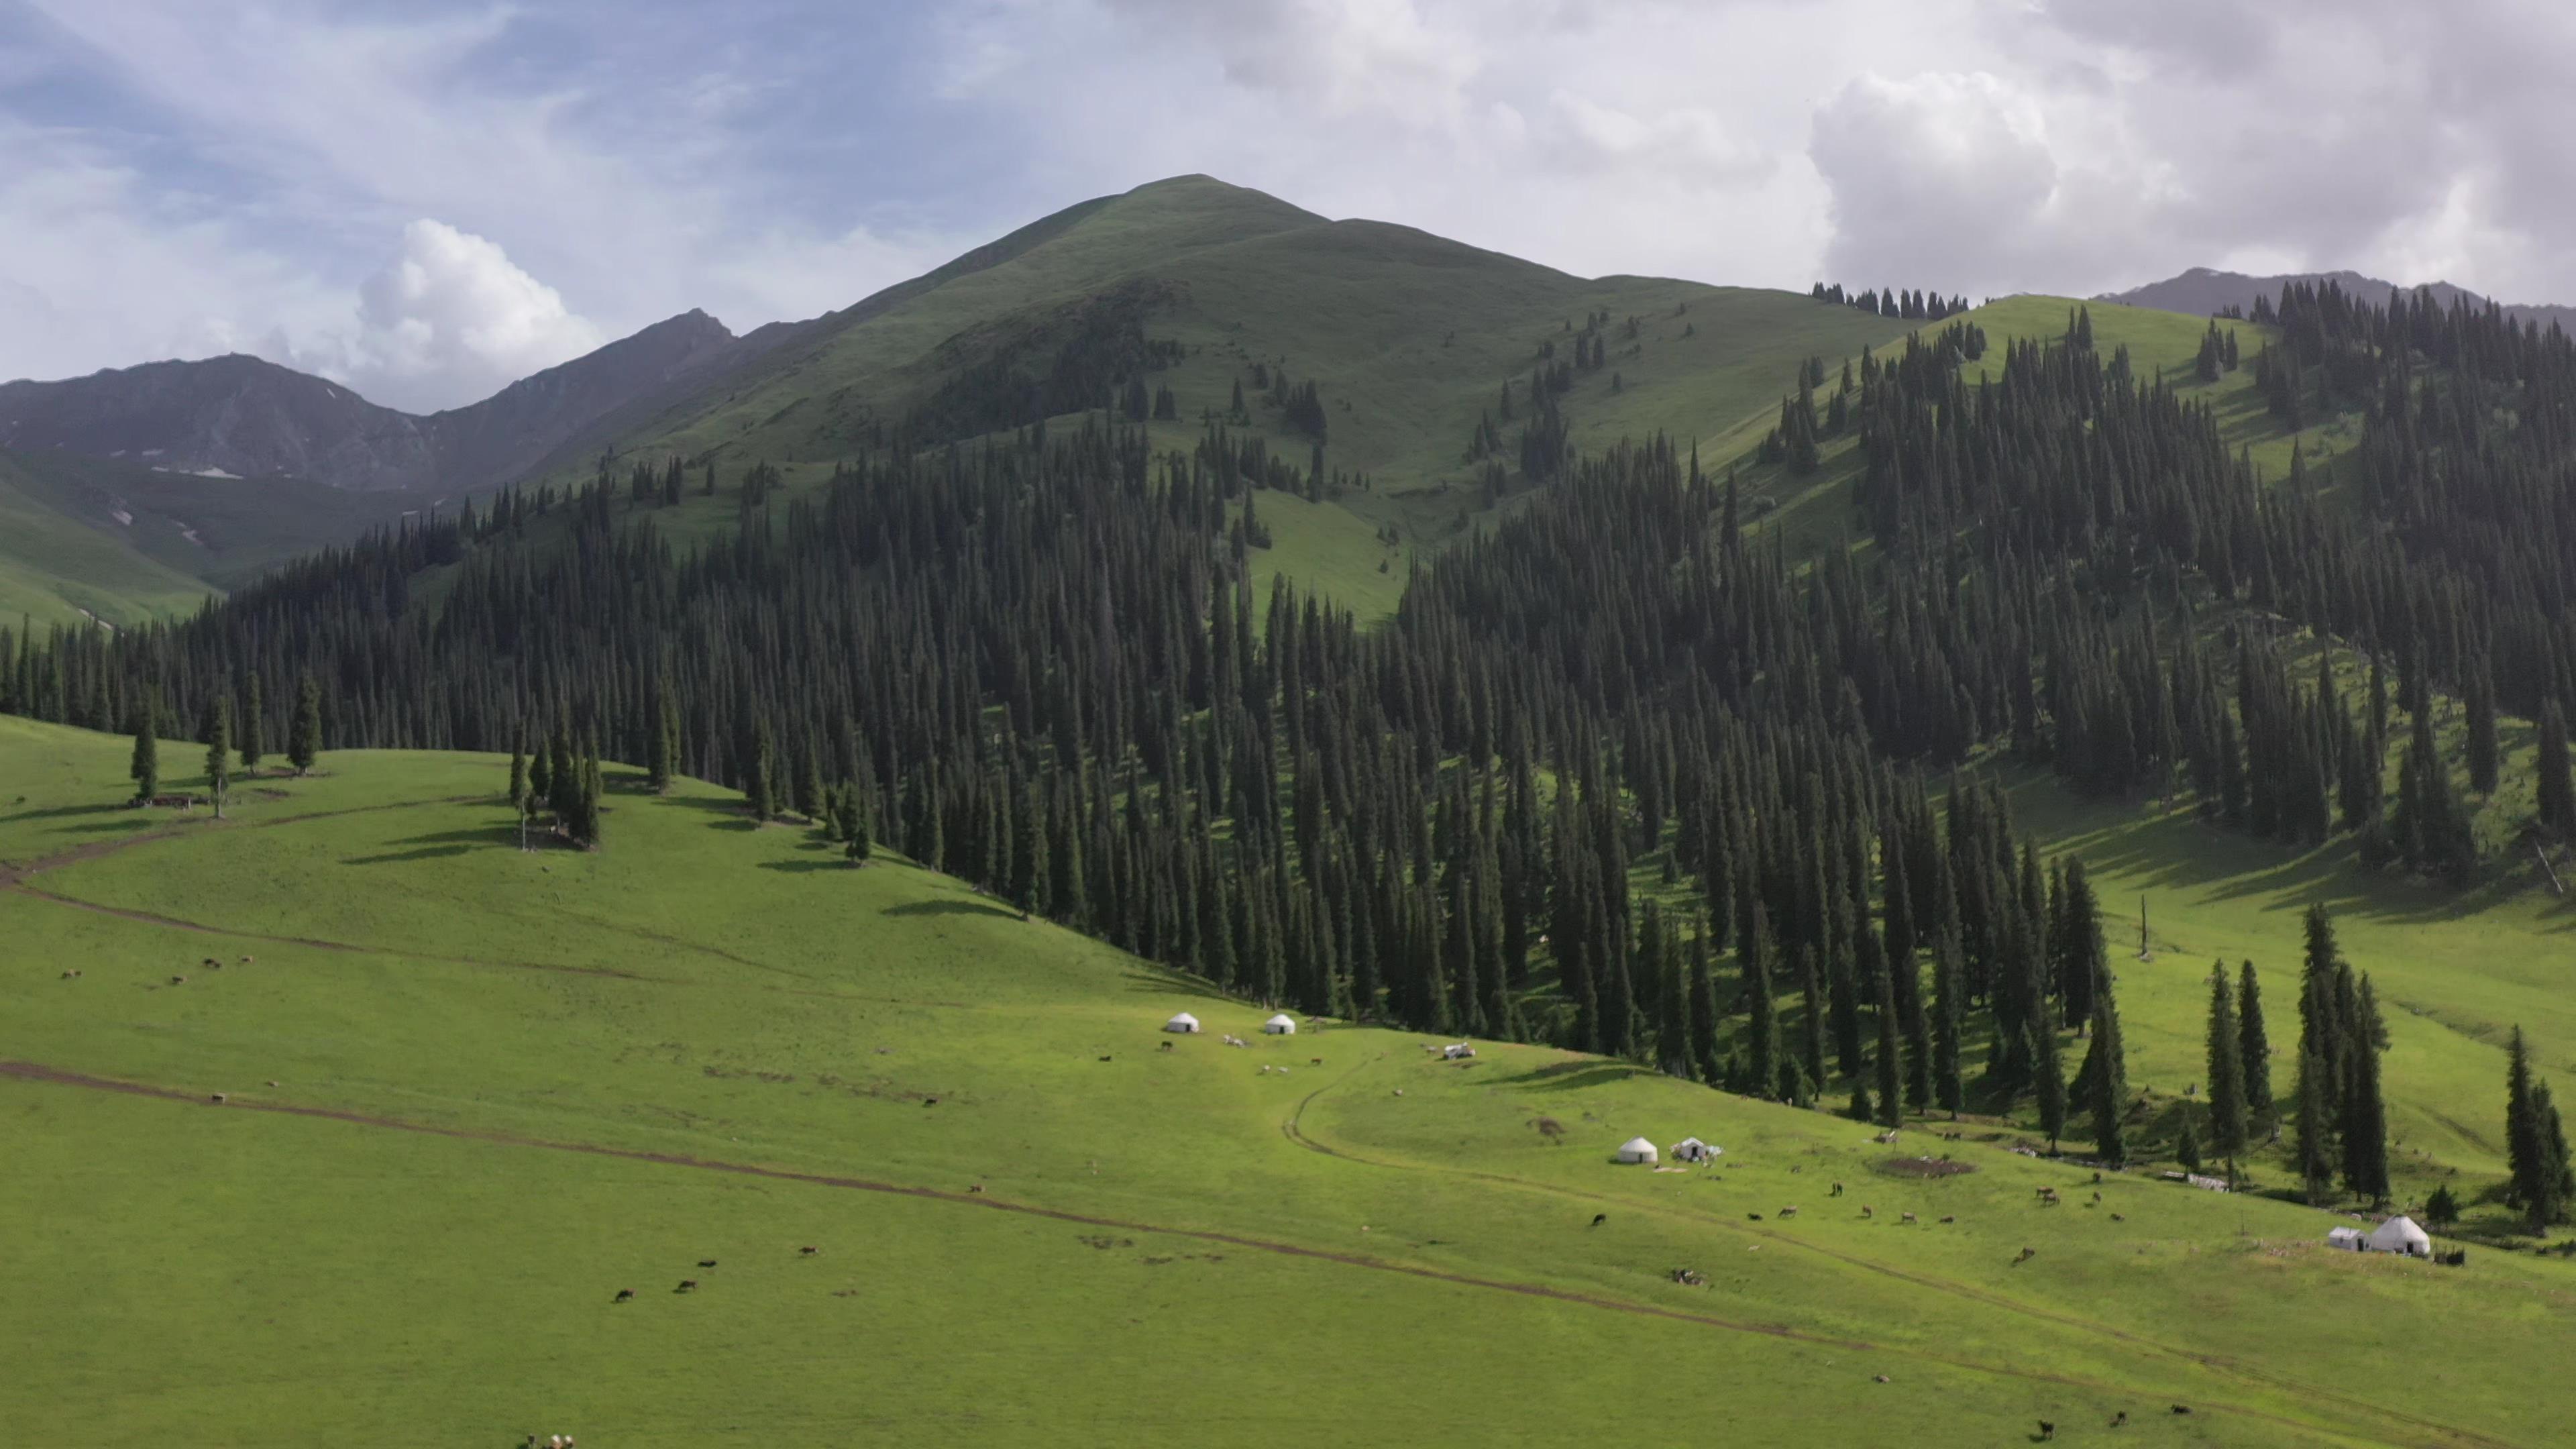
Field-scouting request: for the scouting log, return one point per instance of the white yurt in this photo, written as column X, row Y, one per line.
column 1457, row 1052
column 2351, row 1240
column 1281, row 1025
column 2400, row 1235
column 1636, row 1149
column 1183, row 1022
column 1691, row 1149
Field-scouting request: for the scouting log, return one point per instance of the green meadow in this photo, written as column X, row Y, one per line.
column 470, row 1093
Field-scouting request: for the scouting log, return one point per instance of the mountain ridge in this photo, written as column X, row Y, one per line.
column 2205, row 291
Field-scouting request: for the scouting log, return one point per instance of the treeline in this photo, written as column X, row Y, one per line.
column 1909, row 306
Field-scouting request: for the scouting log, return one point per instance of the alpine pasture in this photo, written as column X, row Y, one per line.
column 470, row 1094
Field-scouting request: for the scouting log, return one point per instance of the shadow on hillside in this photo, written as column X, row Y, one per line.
column 807, row 867
column 61, row 811
column 101, row 827
column 1571, row 1076
column 700, row 802
column 397, row 857
column 935, row 908
column 1174, row 983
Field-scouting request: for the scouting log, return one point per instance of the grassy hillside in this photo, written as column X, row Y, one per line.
column 123, row 542
column 1409, row 338
column 449, row 1138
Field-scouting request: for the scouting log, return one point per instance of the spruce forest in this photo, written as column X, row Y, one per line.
column 1034, row 661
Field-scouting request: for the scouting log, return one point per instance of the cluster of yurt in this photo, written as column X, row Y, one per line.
column 2399, row 1235
column 1642, row 1152
column 1185, row 1024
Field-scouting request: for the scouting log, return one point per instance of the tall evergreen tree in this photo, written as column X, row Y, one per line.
column 2254, row 1053
column 304, row 736
column 1762, row 1024
column 1891, row 1071
column 2048, row 1070
column 219, row 750
column 253, row 726
column 145, row 767
column 2225, row 1054
column 2365, row 1116
column 1948, row 1024
column 2108, row 1082
column 2314, row 1140
column 2557, row 786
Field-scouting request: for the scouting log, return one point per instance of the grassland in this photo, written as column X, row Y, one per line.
column 472, row 1092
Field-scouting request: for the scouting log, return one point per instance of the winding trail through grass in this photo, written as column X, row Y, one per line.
column 42, row 1074
column 1293, row 1128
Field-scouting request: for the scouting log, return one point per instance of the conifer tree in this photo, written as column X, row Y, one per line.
column 2314, row 1145
column 660, row 744
column 219, row 750
column 1891, row 1098
column 541, row 780
column 145, row 768
column 1762, row 1025
column 2365, row 1121
column 857, row 831
column 2557, row 786
column 518, row 780
column 1948, row 1022
column 2554, row 1185
column 304, row 736
column 2106, row 1078
column 253, row 738
column 2226, row 1061
column 1703, row 1010
column 2048, row 1069
column 2187, row 1143
column 2442, row 1208
column 2254, row 1054
column 2523, row 1152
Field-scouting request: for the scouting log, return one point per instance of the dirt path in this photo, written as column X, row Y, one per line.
column 57, row 1076
column 13, row 875
column 1292, row 1127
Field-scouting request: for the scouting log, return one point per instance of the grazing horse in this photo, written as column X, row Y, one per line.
column 2047, row 1430
column 1599, row 1218
column 624, row 1294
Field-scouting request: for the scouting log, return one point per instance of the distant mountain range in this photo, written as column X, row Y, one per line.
column 240, row 416
column 2204, row 292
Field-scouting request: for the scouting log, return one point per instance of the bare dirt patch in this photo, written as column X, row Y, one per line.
column 1919, row 1167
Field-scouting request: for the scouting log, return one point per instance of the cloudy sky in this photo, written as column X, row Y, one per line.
column 427, row 200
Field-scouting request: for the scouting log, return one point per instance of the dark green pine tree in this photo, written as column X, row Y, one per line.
column 2105, row 1076
column 145, row 768
column 858, row 836
column 2365, row 1115
column 2522, row 1147
column 219, row 750
column 2048, row 1071
column 659, row 744
column 2554, row 1185
column 2478, row 694
column 2187, row 1143
column 2225, row 1054
column 2442, row 1208
column 304, row 735
column 1908, row 982
column 1891, row 1071
column 1703, row 1010
column 1949, row 1091
column 1673, row 1055
column 541, row 781
column 1811, row 1025
column 2314, row 1142
column 518, row 780
column 253, row 727
column 760, row 783
column 809, row 782
column 2254, row 1054
column 2557, row 787
column 1762, row 1053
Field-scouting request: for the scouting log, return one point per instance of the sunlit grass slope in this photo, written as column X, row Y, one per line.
column 471, row 1093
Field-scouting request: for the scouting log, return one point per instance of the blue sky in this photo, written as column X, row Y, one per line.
column 427, row 200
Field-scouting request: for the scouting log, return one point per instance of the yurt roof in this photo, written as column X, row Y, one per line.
column 1282, row 1019
column 1636, row 1144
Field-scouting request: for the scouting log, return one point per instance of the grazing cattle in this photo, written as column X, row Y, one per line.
column 809, row 1252
column 1788, row 1212
column 2182, row 1408
column 1599, row 1218
column 272, row 1081
column 1399, row 1091
column 2026, row 1255
column 1757, row 1217
column 1866, row 1211
column 1167, row 1046
column 974, row 1187
column 1909, row 1218
column 930, row 1101
column 624, row 1294
column 1878, row 1378
column 68, row 975
column 706, row 1262
column 210, row 961
column 2120, row 1420
column 2119, row 1218
column 1104, row 1059
column 2047, row 1430
column 219, row 1097
column 1837, row 1192
column 246, row 960
column 1948, row 1218
column 1314, row 1061
column 687, row 1285
column 178, row 980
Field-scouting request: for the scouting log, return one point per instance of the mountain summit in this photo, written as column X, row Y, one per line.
column 2205, row 291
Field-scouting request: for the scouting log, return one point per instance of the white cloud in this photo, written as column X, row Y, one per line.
column 451, row 317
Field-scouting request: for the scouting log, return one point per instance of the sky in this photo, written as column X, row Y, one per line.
column 426, row 201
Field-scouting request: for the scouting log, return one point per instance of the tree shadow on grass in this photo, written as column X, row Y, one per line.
column 396, row 857
column 1573, row 1076
column 941, row 908
column 61, row 811
column 807, row 867
column 1174, row 983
